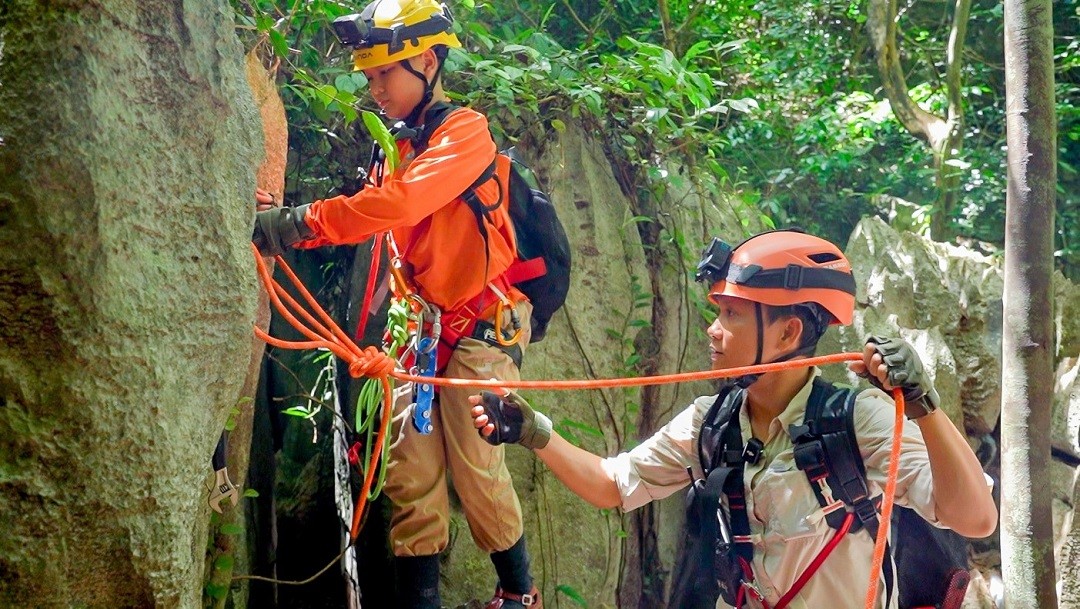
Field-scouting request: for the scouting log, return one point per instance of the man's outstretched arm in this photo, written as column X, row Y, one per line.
column 512, row 420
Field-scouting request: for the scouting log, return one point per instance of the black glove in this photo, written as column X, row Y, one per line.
column 278, row 228
column 515, row 422
column 905, row 370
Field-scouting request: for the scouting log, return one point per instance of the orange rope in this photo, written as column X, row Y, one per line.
column 371, row 362
column 887, row 502
column 659, row 379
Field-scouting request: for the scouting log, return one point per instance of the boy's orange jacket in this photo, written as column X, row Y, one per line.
column 420, row 203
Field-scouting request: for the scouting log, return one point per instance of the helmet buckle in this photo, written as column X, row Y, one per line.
column 793, row 275
column 395, row 44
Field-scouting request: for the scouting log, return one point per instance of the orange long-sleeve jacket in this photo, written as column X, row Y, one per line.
column 435, row 231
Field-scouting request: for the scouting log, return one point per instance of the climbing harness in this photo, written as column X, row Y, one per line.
column 322, row 332
column 720, row 540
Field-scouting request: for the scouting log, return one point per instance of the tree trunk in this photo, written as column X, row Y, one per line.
column 127, row 292
column 1027, row 337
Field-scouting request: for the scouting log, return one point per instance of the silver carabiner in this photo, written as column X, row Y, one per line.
column 428, row 310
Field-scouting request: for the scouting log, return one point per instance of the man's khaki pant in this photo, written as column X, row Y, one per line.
column 416, row 477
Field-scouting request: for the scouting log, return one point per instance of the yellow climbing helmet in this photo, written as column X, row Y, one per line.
column 387, row 31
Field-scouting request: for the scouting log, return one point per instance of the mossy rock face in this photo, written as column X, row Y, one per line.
column 128, row 156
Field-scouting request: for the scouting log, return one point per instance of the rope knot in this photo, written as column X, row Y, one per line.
column 372, row 362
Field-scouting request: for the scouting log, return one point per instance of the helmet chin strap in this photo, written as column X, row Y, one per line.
column 413, row 119
column 749, row 379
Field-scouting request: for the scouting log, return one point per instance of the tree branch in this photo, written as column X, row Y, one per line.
column 881, row 25
column 954, row 60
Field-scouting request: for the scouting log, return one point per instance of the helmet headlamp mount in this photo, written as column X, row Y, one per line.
column 714, row 263
column 359, row 31
column 352, row 30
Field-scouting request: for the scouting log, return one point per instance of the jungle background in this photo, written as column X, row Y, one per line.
column 655, row 125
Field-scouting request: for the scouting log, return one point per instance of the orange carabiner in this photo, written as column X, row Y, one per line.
column 514, row 320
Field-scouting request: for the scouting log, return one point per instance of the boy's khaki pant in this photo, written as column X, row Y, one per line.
column 416, row 477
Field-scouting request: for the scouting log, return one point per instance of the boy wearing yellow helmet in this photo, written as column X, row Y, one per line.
column 776, row 293
column 400, row 45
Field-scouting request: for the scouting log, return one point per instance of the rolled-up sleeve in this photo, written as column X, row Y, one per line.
column 657, row 467
column 874, row 418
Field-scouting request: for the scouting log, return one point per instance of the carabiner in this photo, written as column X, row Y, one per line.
column 515, row 319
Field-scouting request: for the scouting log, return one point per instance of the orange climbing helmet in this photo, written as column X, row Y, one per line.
column 781, row 268
column 387, row 31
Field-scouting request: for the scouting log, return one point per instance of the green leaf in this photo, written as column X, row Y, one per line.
column 297, row 411
column 699, row 48
column 281, row 46
column 744, row 105
column 558, row 125
column 223, row 562
column 345, row 83
column 572, row 594
column 592, row 431
column 231, row 529
column 655, row 114
column 382, row 136
column 216, row 591
column 250, row 493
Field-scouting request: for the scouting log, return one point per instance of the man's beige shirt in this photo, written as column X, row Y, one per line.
column 786, row 523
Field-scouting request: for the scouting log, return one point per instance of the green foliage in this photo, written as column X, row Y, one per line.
column 318, row 87
column 382, row 136
column 572, row 594
column 216, row 591
column 779, row 102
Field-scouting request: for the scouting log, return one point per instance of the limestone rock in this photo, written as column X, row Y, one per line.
column 126, row 293
column 943, row 299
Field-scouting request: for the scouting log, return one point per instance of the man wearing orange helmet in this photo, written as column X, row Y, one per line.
column 776, row 293
column 400, row 45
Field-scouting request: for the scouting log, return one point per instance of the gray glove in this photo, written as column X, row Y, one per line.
column 905, row 370
column 278, row 228
column 515, row 422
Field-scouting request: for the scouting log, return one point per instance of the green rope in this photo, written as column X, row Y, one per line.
column 370, row 400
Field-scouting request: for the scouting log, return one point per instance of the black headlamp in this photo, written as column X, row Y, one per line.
column 714, row 262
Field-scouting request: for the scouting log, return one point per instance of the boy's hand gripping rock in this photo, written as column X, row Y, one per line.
column 279, row 228
column 514, row 421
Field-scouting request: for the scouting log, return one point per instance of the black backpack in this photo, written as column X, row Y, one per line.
column 931, row 563
column 543, row 269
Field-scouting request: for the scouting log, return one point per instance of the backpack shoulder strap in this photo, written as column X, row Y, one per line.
column 827, row 450
column 720, row 438
column 725, row 537
column 435, row 116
